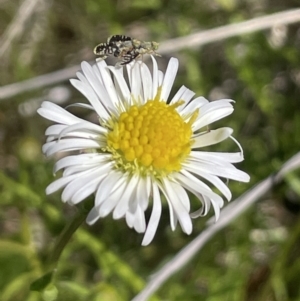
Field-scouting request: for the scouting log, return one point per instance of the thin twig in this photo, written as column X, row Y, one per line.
column 17, row 26
column 173, row 45
column 232, row 30
column 232, row 211
column 38, row 82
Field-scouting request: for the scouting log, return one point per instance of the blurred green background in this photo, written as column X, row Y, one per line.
column 255, row 258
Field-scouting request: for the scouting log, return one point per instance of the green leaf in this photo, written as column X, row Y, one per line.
column 42, row 282
column 50, row 293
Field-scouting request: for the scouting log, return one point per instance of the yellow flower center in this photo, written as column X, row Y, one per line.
column 151, row 138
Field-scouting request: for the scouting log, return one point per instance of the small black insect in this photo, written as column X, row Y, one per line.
column 125, row 48
column 112, row 46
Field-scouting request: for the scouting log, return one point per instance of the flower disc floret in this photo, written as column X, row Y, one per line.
column 152, row 135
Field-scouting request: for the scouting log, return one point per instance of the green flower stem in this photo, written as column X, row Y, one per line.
column 65, row 237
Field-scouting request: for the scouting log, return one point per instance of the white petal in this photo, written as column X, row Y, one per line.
column 57, row 114
column 182, row 195
column 217, row 157
column 187, row 95
column 81, row 77
column 211, row 137
column 112, row 200
column 181, row 212
column 155, row 216
column 55, row 129
column 80, row 130
column 216, row 209
column 59, row 183
column 101, row 64
column 225, row 172
column 123, row 88
column 96, row 172
column 239, row 146
column 69, row 145
column 112, row 182
column 81, row 168
column 129, row 219
column 154, row 77
column 173, row 219
column 83, row 134
column 139, row 220
column 193, row 105
column 109, row 87
column 212, row 112
column 136, row 83
column 122, row 207
column 91, row 96
column 90, row 160
column 206, row 204
column 93, row 216
column 146, row 82
column 222, row 187
column 91, row 77
column 86, row 190
column 86, row 127
column 192, row 183
column 160, row 79
column 142, row 195
column 169, row 78
column 178, row 95
column 81, row 105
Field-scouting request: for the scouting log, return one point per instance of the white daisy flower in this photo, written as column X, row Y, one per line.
column 145, row 148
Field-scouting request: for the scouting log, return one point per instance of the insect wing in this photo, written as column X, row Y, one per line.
column 117, row 39
column 100, row 49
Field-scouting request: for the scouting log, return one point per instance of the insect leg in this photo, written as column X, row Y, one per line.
column 129, row 57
